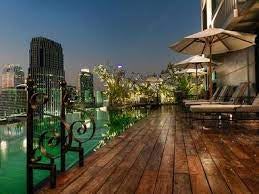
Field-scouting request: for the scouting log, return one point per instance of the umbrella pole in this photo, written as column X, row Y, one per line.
column 196, row 80
column 210, row 76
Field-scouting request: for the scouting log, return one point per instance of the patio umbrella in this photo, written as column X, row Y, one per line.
column 213, row 41
column 195, row 62
column 200, row 72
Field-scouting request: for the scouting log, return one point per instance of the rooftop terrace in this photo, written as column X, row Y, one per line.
column 162, row 154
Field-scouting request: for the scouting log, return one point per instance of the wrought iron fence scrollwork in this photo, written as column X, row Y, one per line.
column 83, row 130
column 75, row 133
column 53, row 139
column 50, row 138
column 36, row 147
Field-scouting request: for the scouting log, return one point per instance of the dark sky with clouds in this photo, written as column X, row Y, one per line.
column 136, row 33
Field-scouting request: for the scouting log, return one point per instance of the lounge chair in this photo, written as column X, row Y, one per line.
column 226, row 108
column 213, row 98
column 220, row 109
column 217, row 98
column 227, row 91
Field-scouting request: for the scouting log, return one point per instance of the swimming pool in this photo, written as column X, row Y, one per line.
column 13, row 144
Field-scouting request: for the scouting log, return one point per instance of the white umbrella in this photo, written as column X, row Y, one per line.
column 200, row 72
column 194, row 62
column 214, row 41
column 154, row 79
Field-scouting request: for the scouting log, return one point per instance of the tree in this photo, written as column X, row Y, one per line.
column 117, row 85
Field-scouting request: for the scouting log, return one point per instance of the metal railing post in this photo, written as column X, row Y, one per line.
column 62, row 131
column 29, row 173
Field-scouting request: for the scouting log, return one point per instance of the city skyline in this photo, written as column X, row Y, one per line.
column 133, row 33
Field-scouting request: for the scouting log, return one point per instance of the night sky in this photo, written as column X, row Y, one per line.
column 136, row 33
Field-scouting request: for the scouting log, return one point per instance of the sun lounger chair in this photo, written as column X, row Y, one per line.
column 219, row 109
column 235, row 93
column 213, row 98
column 219, row 97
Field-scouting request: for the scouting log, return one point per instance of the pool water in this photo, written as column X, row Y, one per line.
column 13, row 144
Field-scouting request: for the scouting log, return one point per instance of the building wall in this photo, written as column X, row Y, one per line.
column 86, row 87
column 236, row 67
column 13, row 101
column 12, row 76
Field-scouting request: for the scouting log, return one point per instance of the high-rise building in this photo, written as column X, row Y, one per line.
column 13, row 101
column 47, row 70
column 99, row 98
column 72, row 92
column 86, row 87
column 12, row 76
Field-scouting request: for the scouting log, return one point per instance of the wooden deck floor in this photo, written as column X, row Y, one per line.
column 161, row 154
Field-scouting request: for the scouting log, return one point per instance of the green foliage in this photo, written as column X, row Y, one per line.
column 119, row 121
column 124, row 89
column 185, row 83
column 117, row 85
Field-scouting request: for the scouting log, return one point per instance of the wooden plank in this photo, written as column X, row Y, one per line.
column 233, row 180
column 131, row 181
column 231, row 167
column 114, row 181
column 69, row 176
column 181, row 165
column 148, row 179
column 164, row 183
column 78, row 184
column 99, row 178
column 197, row 175
column 182, row 184
column 215, row 179
column 225, row 163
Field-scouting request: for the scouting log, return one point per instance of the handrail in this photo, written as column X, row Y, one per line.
column 52, row 138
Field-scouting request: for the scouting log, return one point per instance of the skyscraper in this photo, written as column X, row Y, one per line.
column 86, row 87
column 47, row 69
column 12, row 76
column 13, row 101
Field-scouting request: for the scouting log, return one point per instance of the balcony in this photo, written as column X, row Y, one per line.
column 162, row 154
column 242, row 15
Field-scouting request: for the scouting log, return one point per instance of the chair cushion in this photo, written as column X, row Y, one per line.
column 214, row 108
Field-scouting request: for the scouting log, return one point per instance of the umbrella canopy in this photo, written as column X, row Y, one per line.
column 200, row 72
column 194, row 62
column 154, row 79
column 214, row 41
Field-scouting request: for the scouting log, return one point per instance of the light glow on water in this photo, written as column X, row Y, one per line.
column 3, row 145
column 87, row 123
column 104, row 108
column 24, row 144
column 3, row 148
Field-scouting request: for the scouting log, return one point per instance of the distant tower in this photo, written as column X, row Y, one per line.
column 47, row 69
column 12, row 76
column 86, row 86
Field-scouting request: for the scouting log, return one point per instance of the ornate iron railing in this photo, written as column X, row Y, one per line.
column 73, row 134
column 40, row 148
